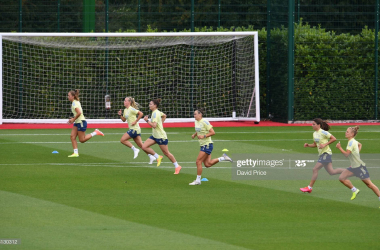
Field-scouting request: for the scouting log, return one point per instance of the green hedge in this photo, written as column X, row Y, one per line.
column 334, row 74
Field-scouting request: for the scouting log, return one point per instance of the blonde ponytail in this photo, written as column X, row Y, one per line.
column 355, row 129
column 134, row 104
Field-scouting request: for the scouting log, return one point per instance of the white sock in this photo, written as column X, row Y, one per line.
column 93, row 134
column 150, row 155
column 133, row 148
column 379, row 198
column 198, row 178
column 353, row 189
column 76, row 151
column 155, row 155
column 310, row 187
column 221, row 159
column 176, row 164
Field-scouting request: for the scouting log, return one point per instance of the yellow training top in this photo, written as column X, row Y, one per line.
column 202, row 127
column 321, row 137
column 354, row 157
column 75, row 105
column 158, row 132
column 130, row 114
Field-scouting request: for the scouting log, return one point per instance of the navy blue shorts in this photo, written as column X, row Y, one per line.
column 325, row 159
column 360, row 172
column 133, row 133
column 207, row 148
column 81, row 126
column 159, row 141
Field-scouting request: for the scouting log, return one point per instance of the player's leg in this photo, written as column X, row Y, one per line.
column 82, row 127
column 208, row 162
column 150, row 152
column 372, row 186
column 343, row 178
column 139, row 143
column 329, row 168
column 83, row 137
column 146, row 146
column 314, row 177
column 166, row 152
column 200, row 159
column 124, row 140
column 73, row 138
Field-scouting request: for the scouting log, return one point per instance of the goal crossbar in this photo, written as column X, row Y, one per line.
column 136, row 34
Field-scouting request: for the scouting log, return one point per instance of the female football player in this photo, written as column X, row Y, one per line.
column 158, row 136
column 80, row 124
column 322, row 140
column 357, row 167
column 130, row 112
column 204, row 131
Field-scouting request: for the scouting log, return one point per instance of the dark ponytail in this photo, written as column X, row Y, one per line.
column 322, row 123
column 200, row 111
column 157, row 101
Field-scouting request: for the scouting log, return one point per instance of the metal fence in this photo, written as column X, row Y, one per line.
column 317, row 59
column 116, row 15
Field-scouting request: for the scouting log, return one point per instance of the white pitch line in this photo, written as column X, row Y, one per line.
column 187, row 141
column 68, row 134
column 101, row 165
column 162, row 167
column 283, row 132
column 95, row 164
column 176, row 133
column 92, row 163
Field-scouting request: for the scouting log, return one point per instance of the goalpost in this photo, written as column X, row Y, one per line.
column 215, row 71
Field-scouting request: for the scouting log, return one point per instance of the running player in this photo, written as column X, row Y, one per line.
column 159, row 136
column 80, row 124
column 204, row 131
column 130, row 112
column 357, row 167
column 322, row 140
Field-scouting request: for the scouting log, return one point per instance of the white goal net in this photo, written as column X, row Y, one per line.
column 217, row 72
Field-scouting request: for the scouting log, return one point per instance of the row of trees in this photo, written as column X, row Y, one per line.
column 67, row 15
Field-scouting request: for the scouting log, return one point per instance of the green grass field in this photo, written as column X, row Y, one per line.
column 106, row 200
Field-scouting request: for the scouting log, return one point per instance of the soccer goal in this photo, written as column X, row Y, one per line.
column 215, row 71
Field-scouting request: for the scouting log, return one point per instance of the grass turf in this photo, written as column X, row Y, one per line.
column 106, row 200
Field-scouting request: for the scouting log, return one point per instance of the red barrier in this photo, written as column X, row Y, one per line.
column 168, row 125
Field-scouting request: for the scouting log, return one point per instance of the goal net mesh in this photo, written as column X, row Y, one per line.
column 216, row 73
